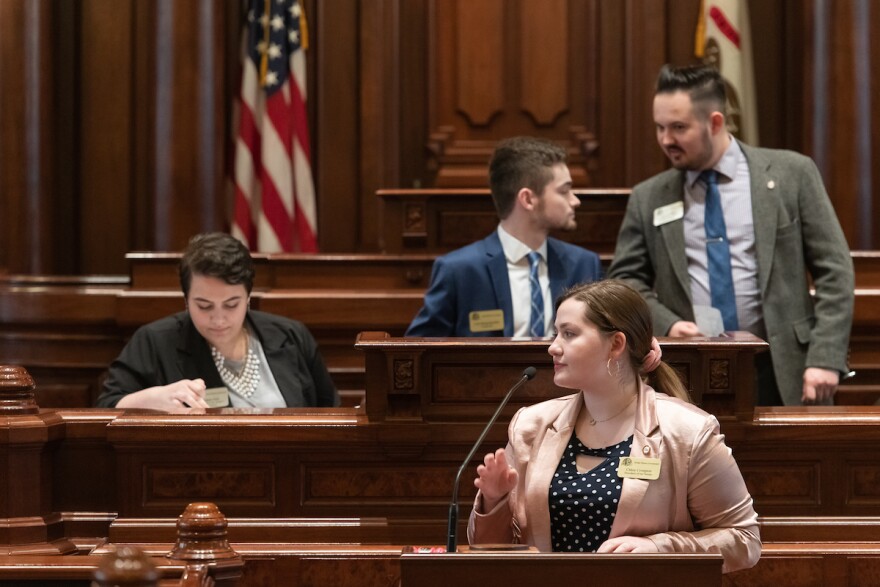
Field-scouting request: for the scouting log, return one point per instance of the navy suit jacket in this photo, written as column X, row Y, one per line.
column 474, row 278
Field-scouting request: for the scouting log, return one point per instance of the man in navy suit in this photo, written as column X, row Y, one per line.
column 486, row 288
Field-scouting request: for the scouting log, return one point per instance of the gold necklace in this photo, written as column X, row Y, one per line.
column 594, row 421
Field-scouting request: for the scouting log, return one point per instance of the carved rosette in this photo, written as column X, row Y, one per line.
column 16, row 391
column 719, row 375
column 404, row 375
column 414, row 218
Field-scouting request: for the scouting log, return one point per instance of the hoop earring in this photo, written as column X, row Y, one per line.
column 608, row 368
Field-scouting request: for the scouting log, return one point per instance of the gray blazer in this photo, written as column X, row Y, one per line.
column 796, row 232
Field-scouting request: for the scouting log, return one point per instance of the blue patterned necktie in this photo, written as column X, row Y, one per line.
column 536, row 318
column 718, row 253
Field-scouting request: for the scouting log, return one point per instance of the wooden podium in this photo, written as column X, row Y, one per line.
column 480, row 569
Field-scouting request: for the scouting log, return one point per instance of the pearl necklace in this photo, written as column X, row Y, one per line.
column 594, row 421
column 245, row 382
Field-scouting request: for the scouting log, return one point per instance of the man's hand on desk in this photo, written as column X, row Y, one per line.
column 684, row 328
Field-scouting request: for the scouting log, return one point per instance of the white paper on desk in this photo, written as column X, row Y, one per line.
column 709, row 320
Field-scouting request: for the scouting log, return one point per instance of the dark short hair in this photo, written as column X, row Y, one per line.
column 703, row 83
column 521, row 162
column 216, row 254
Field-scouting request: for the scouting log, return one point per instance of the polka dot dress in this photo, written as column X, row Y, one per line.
column 583, row 505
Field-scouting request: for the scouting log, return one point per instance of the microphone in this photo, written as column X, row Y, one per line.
column 451, row 539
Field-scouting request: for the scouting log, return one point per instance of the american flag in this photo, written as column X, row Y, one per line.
column 274, row 202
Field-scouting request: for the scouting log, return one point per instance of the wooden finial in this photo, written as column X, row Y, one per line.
column 16, row 391
column 201, row 534
column 126, row 566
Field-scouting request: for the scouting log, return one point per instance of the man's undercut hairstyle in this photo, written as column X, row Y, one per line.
column 219, row 255
column 521, row 162
column 703, row 83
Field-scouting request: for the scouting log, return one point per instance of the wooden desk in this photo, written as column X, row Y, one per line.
column 439, row 220
column 158, row 271
column 473, row 569
column 319, row 475
column 67, row 330
column 464, row 379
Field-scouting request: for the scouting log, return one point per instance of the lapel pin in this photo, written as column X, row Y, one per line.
column 771, row 184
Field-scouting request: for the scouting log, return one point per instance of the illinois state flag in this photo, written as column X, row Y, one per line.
column 724, row 40
column 274, row 201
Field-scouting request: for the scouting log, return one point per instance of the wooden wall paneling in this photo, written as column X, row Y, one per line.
column 633, row 46
column 28, row 150
column 682, row 16
column 87, row 458
column 12, row 135
column 611, row 90
column 334, row 46
column 479, row 59
column 106, row 134
column 795, row 99
column 185, row 126
column 584, row 63
column 498, row 69
column 66, row 240
column 544, row 85
column 838, row 98
column 771, row 48
column 379, row 107
column 414, row 94
column 874, row 77
column 645, row 37
column 863, row 139
column 840, row 149
column 140, row 222
column 211, row 112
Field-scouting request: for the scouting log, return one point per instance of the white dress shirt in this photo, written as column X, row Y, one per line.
column 516, row 253
column 734, row 185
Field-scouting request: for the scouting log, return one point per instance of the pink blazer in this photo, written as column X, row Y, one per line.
column 698, row 504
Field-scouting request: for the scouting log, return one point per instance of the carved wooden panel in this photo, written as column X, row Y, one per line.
column 480, row 43
column 719, row 375
column 502, row 68
column 783, row 483
column 804, row 571
column 863, row 482
column 545, row 59
column 864, row 570
column 209, row 482
column 379, row 483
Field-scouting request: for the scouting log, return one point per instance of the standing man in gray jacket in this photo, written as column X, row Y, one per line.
column 739, row 229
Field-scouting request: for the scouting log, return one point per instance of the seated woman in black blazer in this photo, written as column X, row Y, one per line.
column 262, row 360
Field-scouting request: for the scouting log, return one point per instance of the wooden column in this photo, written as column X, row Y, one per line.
column 27, row 161
column 840, row 115
column 180, row 121
column 27, row 524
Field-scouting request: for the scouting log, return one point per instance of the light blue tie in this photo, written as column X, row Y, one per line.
column 718, row 253
column 536, row 319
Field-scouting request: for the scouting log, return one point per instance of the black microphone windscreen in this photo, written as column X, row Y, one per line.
column 529, row 373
